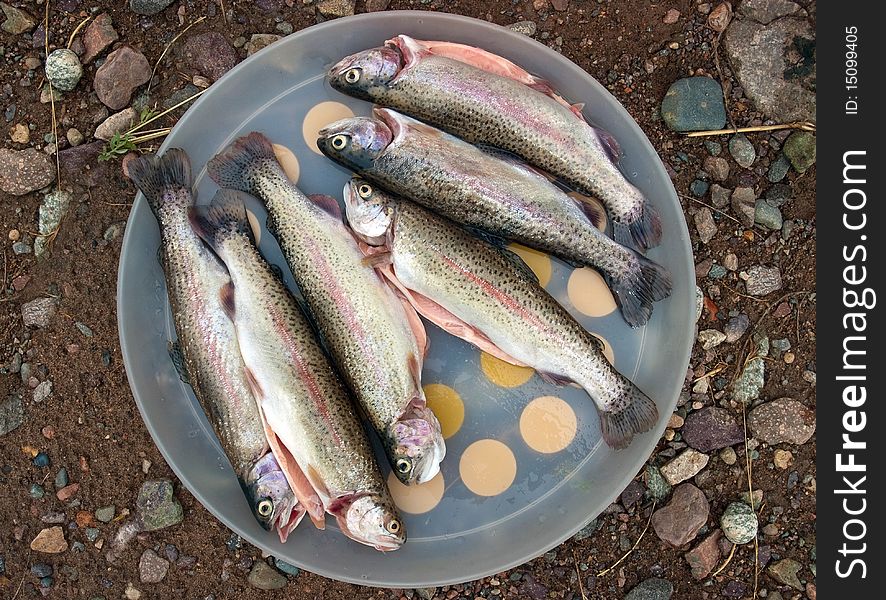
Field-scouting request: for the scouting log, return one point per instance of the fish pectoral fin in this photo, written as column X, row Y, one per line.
column 304, row 491
column 377, row 259
column 178, row 361
column 554, row 378
column 412, row 318
column 327, row 203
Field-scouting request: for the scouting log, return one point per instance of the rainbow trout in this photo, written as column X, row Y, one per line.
column 375, row 338
column 472, row 289
column 485, row 99
column 499, row 195
column 208, row 342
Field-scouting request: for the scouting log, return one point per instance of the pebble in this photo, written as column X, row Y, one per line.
column 284, row 28
column 287, row 568
column 586, row 531
column 99, row 34
column 17, row 21
column 50, row 540
column 736, row 326
column 259, row 41
column 717, row 168
column 41, row 460
column 156, row 505
column 68, row 492
column 699, row 188
column 20, row 134
column 148, row 7
column 739, row 523
column 685, row 466
column 53, row 208
column 706, row 556
column 376, row 5
column 720, row 196
column 63, row 69
column 785, row 572
column 92, row 533
column 152, row 568
column 694, row 104
column 131, row 592
column 41, row 569
column 742, row 150
column 763, row 280
column 783, row 459
column 683, row 517
column 117, row 123
column 748, row 385
column 743, row 201
column 778, row 194
column 264, row 577
column 74, row 137
column 53, row 518
column 671, row 17
column 704, row 223
column 527, row 28
column 767, row 215
column 782, row 420
column 210, row 54
column 711, row 428
column 105, row 514
column 333, row 9
column 122, row 72
column 23, row 171
column 61, row 478
column 657, row 487
column 799, row 149
column 36, row 491
column 710, row 338
column 652, row 589
column 778, row 169
column 80, row 164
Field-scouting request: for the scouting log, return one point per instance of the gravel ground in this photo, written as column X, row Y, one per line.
column 77, row 467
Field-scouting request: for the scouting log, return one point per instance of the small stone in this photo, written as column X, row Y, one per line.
column 117, row 123
column 264, row 577
column 671, row 17
column 742, row 150
column 17, row 21
column 11, row 414
column 783, row 459
column 53, row 518
column 333, row 9
column 152, row 568
column 699, row 303
column 749, row 384
column 586, row 531
column 767, row 215
column 131, row 592
column 210, row 54
column 779, row 194
column 632, row 494
column 284, row 28
column 717, row 168
column 710, row 338
column 92, row 533
column 782, row 420
column 739, row 523
column 785, row 572
column 148, row 7
column 676, row 421
column 287, row 568
column 99, row 34
column 651, row 589
column 694, row 104
column 704, row 558
column 105, row 514
column 51, row 212
column 719, row 18
column 789, row 358
column 736, row 327
column 685, row 466
column 20, row 134
column 527, row 28
column 81, row 165
column 720, row 196
column 156, row 505
column 39, row 312
column 260, row 41
column 74, row 137
column 728, row 456
column 778, row 169
column 68, row 492
column 657, row 487
column 377, row 5
column 50, row 541
column 63, row 69
column 36, row 491
column 23, row 171
column 743, row 202
column 704, row 222
column 122, row 72
column 61, row 478
column 41, row 569
column 799, row 149
column 41, row 459
column 711, row 428
column 699, row 188
column 763, row 280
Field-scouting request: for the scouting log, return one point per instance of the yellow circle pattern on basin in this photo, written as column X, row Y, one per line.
column 319, row 117
column 487, row 467
column 539, row 262
column 447, row 406
column 502, row 373
column 589, row 293
column 288, row 161
column 416, row 499
column 548, row 424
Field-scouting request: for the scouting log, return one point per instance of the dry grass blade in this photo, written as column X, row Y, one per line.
column 76, row 31
column 802, row 125
column 58, row 167
column 166, row 49
column 165, row 112
column 581, row 587
column 726, row 563
column 713, row 208
column 634, row 547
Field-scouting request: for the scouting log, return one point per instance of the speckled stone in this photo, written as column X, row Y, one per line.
column 739, row 523
column 63, row 69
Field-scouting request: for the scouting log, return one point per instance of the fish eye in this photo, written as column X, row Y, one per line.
column 265, row 508
column 352, row 75
column 404, row 465
column 365, row 190
column 339, row 141
column 393, row 526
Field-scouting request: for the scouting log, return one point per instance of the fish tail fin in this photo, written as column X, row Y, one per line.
column 636, row 290
column 223, row 217
column 639, row 415
column 235, row 167
column 640, row 228
column 154, row 176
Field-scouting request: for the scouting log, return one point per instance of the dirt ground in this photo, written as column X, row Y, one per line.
column 89, row 424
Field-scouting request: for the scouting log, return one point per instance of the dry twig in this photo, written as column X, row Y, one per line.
column 803, row 125
column 634, row 547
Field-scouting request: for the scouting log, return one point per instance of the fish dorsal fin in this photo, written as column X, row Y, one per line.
column 178, row 361
column 500, row 245
column 610, row 144
column 327, row 203
column 226, row 296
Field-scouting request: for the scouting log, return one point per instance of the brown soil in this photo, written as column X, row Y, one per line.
column 93, row 414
